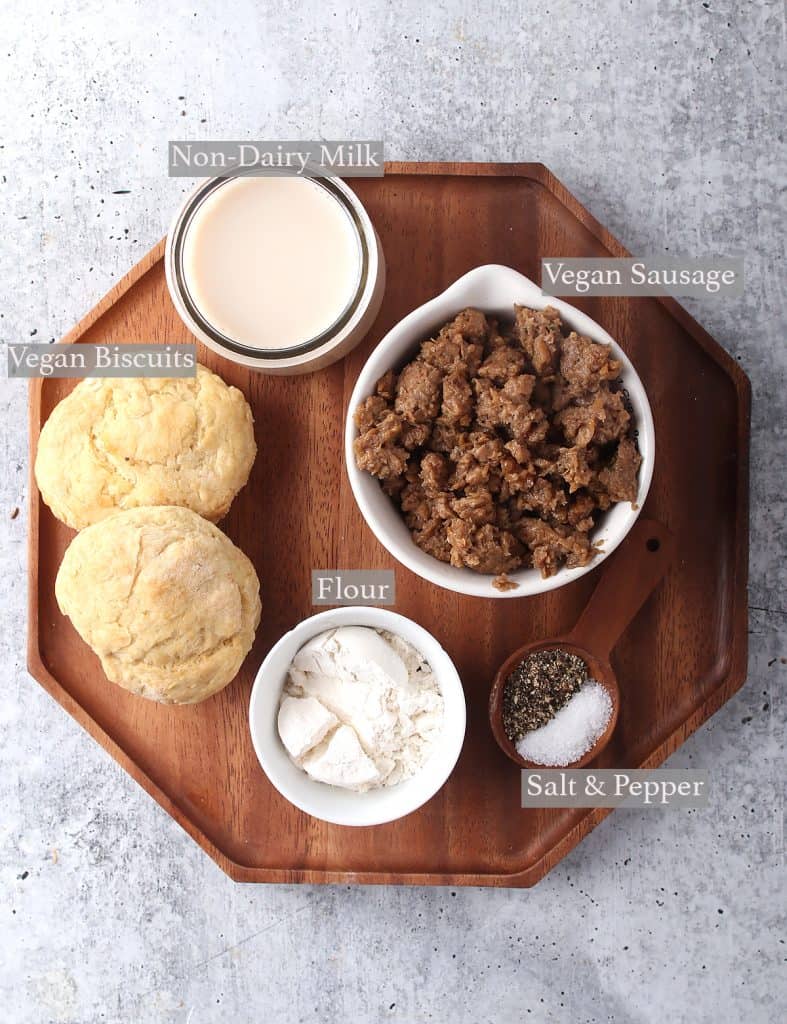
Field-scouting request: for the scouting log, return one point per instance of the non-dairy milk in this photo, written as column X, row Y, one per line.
column 271, row 262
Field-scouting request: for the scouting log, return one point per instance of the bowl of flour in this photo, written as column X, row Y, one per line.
column 357, row 716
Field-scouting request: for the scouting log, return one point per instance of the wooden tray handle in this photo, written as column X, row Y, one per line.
column 630, row 578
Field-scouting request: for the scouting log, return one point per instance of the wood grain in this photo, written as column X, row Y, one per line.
column 680, row 660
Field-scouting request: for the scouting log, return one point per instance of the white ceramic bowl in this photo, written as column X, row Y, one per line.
column 330, row 803
column 493, row 289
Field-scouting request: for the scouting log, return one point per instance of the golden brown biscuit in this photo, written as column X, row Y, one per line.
column 117, row 443
column 164, row 598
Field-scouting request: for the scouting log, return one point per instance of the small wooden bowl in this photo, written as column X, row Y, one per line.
column 631, row 576
column 603, row 674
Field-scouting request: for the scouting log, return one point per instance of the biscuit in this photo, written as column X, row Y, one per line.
column 117, row 443
column 164, row 598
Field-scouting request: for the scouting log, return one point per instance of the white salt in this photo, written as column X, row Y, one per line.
column 573, row 731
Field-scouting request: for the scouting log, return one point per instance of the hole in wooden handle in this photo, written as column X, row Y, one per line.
column 653, row 544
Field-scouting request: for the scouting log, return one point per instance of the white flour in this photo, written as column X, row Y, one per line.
column 360, row 708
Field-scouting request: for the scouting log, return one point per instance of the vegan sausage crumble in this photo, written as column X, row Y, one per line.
column 501, row 445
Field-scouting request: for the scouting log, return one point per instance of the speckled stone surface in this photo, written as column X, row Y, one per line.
column 664, row 119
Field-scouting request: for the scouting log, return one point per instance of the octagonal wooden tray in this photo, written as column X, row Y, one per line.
column 684, row 655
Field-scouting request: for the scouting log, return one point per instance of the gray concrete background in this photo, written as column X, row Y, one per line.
column 665, row 120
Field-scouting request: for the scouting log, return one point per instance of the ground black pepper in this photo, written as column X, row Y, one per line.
column 538, row 688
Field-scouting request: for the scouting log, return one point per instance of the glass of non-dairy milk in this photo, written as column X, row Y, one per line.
column 283, row 274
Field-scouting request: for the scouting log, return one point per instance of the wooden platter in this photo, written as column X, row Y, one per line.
column 680, row 660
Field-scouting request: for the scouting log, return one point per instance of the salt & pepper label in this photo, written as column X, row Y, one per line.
column 615, row 787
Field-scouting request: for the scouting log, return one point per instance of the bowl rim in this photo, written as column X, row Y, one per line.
column 369, row 808
column 491, row 282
